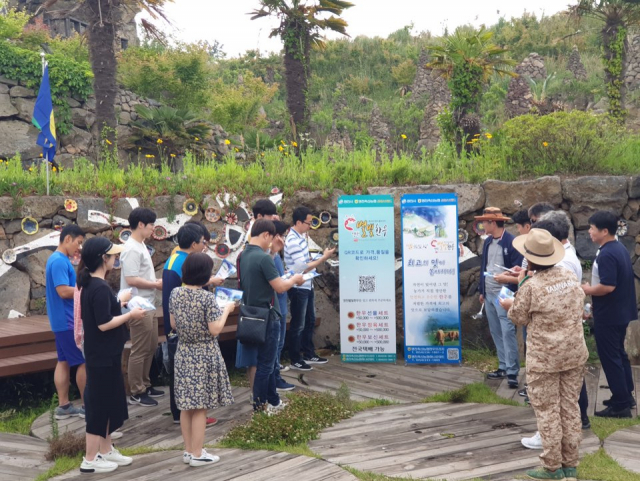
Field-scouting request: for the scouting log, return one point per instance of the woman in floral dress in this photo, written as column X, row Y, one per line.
column 201, row 379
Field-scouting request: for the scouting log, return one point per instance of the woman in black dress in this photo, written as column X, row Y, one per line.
column 104, row 338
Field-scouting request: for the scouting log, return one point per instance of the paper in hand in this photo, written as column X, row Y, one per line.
column 224, row 296
column 227, row 269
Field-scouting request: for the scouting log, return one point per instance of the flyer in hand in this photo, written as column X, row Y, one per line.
column 225, row 295
column 227, row 269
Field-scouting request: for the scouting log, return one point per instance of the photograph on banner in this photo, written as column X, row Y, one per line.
column 431, row 297
column 367, row 278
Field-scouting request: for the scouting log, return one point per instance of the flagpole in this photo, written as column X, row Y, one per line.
column 44, row 64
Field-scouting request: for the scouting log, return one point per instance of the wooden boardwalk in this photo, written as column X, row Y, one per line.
column 624, row 447
column 234, row 465
column 437, row 441
column 22, row 457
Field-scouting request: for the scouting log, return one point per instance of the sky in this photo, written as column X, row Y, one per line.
column 227, row 21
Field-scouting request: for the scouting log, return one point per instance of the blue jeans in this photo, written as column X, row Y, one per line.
column 264, row 384
column 303, row 320
column 503, row 332
column 283, row 334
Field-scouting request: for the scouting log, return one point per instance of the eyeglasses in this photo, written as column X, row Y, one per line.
column 308, row 223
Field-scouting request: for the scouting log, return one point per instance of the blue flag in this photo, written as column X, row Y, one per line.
column 43, row 118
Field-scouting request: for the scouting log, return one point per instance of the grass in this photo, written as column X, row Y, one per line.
column 471, row 393
column 12, row 421
column 238, row 377
column 599, row 466
column 62, row 465
column 480, row 357
column 605, row 427
column 369, row 476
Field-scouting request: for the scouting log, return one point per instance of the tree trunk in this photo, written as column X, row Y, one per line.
column 296, row 65
column 614, row 42
column 103, row 63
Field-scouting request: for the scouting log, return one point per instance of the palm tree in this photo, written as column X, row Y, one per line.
column 467, row 59
column 104, row 16
column 299, row 29
column 617, row 16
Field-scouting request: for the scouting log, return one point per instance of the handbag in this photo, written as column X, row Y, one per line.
column 252, row 324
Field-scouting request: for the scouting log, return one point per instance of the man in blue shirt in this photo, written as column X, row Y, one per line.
column 60, row 284
column 190, row 239
column 614, row 306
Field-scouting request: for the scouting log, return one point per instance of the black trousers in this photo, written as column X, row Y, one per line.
column 583, row 401
column 615, row 362
column 172, row 346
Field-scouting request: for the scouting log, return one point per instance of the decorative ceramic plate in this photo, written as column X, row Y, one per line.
column 275, row 190
column 622, row 228
column 222, row 250
column 215, row 235
column 463, row 236
column 75, row 260
column 231, row 218
column 124, row 235
column 29, row 225
column 212, row 214
column 9, row 256
column 59, row 225
column 242, row 214
column 315, row 223
column 334, row 236
column 190, row 207
column 70, row 205
column 325, row 217
column 247, row 225
column 478, row 227
column 159, row 233
column 235, row 236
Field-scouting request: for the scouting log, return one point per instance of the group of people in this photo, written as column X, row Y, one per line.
column 541, row 268
column 193, row 320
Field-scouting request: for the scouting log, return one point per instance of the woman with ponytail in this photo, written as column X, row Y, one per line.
column 104, row 338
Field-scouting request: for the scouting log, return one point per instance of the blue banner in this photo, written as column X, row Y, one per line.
column 367, row 278
column 431, row 287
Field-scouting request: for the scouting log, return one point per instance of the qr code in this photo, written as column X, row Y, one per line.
column 367, row 284
column 453, row 355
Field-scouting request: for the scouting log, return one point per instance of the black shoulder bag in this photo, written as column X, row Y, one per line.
column 252, row 321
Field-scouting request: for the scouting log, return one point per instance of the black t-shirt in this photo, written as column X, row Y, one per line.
column 257, row 269
column 98, row 305
column 613, row 267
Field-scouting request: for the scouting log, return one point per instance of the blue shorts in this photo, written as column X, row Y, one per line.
column 67, row 349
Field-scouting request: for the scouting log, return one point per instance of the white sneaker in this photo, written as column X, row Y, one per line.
column 204, row 459
column 186, row 457
column 271, row 409
column 284, row 368
column 98, row 465
column 534, row 442
column 116, row 435
column 115, row 456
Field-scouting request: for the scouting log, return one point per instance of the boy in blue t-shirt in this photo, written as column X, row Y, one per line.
column 60, row 284
column 614, row 306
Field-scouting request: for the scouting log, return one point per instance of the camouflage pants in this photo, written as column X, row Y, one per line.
column 554, row 398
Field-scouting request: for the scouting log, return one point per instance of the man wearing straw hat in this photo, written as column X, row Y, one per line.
column 550, row 303
column 498, row 253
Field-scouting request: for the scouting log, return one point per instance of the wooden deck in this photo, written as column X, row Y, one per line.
column 26, row 345
column 22, row 457
column 437, row 441
column 624, row 447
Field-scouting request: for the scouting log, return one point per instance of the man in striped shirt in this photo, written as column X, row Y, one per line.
column 303, row 316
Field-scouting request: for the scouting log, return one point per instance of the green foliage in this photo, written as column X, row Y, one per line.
column 613, row 66
column 605, row 427
column 12, row 23
column 67, row 77
column 600, row 466
column 471, row 393
column 404, row 73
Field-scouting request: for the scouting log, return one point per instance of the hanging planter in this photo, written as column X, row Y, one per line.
column 212, row 214
column 159, row 233
column 190, row 207
column 70, row 205
column 29, row 226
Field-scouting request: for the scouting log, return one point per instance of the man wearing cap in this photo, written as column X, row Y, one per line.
column 550, row 302
column 498, row 252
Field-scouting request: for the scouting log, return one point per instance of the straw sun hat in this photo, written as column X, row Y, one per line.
column 539, row 247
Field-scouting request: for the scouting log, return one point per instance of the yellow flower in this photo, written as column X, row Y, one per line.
column 280, row 148
column 294, row 143
column 150, row 156
column 403, row 136
column 474, row 140
column 469, row 143
column 173, row 155
column 107, row 141
column 214, row 154
column 227, row 141
column 30, row 169
column 477, row 135
column 197, row 139
column 545, row 144
column 40, row 155
column 159, row 141
column 262, row 154
column 139, row 149
column 54, row 169
column 237, row 149
column 282, row 142
column 488, row 136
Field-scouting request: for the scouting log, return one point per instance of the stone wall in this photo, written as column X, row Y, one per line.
column 22, row 283
column 519, row 98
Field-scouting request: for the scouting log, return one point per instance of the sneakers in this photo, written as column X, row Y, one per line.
column 82, row 413
column 284, row 386
column 632, row 402
column 316, row 360
column 204, row 459
column 301, row 366
column 176, row 421
column 67, row 411
column 570, row 474
column 116, row 435
column 586, row 424
column 544, row 473
column 211, row 422
column 186, row 457
column 98, row 465
column 116, row 457
column 523, row 392
column 271, row 410
column 499, row 374
column 284, row 368
column 143, row 400
column 610, row 412
column 534, row 442
column 152, row 392
column 512, row 381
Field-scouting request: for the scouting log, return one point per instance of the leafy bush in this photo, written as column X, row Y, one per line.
column 404, row 73
column 12, row 23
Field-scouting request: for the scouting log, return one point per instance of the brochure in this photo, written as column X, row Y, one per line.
column 141, row 302
column 505, row 293
column 227, row 269
column 307, row 277
column 224, row 296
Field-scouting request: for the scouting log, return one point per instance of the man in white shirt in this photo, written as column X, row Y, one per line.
column 138, row 271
